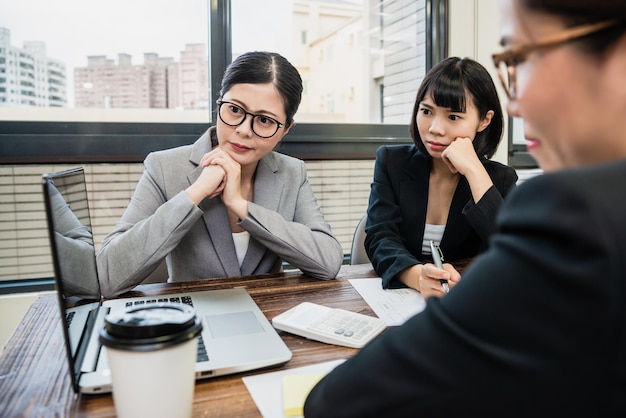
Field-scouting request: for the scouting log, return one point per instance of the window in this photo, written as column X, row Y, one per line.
column 369, row 42
column 346, row 51
column 83, row 60
column 519, row 156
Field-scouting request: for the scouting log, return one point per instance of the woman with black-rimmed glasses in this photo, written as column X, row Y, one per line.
column 228, row 205
column 537, row 326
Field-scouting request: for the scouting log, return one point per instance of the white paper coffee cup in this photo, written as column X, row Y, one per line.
column 152, row 353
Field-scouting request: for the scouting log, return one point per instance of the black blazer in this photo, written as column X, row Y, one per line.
column 396, row 215
column 536, row 328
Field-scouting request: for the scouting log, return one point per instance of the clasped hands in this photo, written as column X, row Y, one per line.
column 221, row 175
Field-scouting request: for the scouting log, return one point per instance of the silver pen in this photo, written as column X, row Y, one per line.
column 438, row 260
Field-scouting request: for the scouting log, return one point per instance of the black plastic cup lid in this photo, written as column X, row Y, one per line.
column 150, row 327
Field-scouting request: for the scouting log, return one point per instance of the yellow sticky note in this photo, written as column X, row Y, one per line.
column 296, row 387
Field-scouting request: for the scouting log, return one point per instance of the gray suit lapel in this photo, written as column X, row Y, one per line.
column 216, row 220
column 268, row 186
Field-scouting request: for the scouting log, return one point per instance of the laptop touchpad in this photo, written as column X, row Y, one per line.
column 232, row 324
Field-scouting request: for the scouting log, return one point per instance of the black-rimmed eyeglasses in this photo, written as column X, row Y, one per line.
column 506, row 62
column 234, row 115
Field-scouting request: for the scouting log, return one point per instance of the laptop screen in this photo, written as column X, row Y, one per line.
column 73, row 256
column 246, row 342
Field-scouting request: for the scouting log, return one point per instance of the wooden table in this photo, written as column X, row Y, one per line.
column 34, row 377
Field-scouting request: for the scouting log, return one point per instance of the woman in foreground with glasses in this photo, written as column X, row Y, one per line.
column 228, row 205
column 444, row 187
column 537, row 326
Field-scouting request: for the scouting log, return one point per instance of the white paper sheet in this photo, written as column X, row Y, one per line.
column 394, row 306
column 267, row 389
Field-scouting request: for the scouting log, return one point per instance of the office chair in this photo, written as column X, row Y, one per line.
column 358, row 254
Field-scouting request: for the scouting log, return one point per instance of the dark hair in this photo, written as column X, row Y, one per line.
column 581, row 12
column 266, row 67
column 449, row 83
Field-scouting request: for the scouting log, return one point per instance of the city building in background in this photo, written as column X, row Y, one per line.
column 361, row 62
column 158, row 82
column 107, row 84
column 188, row 79
column 28, row 77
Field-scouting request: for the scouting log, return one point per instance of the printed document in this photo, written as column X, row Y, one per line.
column 394, row 306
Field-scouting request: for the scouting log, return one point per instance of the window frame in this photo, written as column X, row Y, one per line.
column 518, row 155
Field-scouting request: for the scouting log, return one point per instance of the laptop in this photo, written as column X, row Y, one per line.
column 236, row 335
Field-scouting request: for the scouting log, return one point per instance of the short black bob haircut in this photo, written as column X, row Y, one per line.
column 447, row 84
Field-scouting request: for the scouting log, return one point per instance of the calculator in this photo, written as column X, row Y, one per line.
column 329, row 325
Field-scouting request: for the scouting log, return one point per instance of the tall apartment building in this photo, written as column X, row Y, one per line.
column 156, row 83
column 188, row 84
column 359, row 62
column 107, row 84
column 28, row 77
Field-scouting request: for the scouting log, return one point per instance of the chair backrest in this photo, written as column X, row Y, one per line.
column 358, row 254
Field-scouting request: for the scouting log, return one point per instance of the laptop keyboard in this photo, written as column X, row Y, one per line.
column 202, row 354
column 68, row 318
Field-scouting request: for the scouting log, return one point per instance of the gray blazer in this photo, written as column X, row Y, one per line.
column 284, row 222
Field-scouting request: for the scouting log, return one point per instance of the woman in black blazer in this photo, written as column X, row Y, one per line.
column 537, row 326
column 444, row 187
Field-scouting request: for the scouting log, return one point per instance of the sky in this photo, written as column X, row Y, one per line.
column 74, row 29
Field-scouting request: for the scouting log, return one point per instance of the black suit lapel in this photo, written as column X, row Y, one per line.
column 457, row 227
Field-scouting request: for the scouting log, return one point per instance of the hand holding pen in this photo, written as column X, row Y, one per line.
column 438, row 260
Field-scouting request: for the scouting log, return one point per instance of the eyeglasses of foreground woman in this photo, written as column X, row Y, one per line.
column 234, row 115
column 506, row 62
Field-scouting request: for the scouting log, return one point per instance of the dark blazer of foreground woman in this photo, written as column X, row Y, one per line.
column 396, row 214
column 536, row 328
